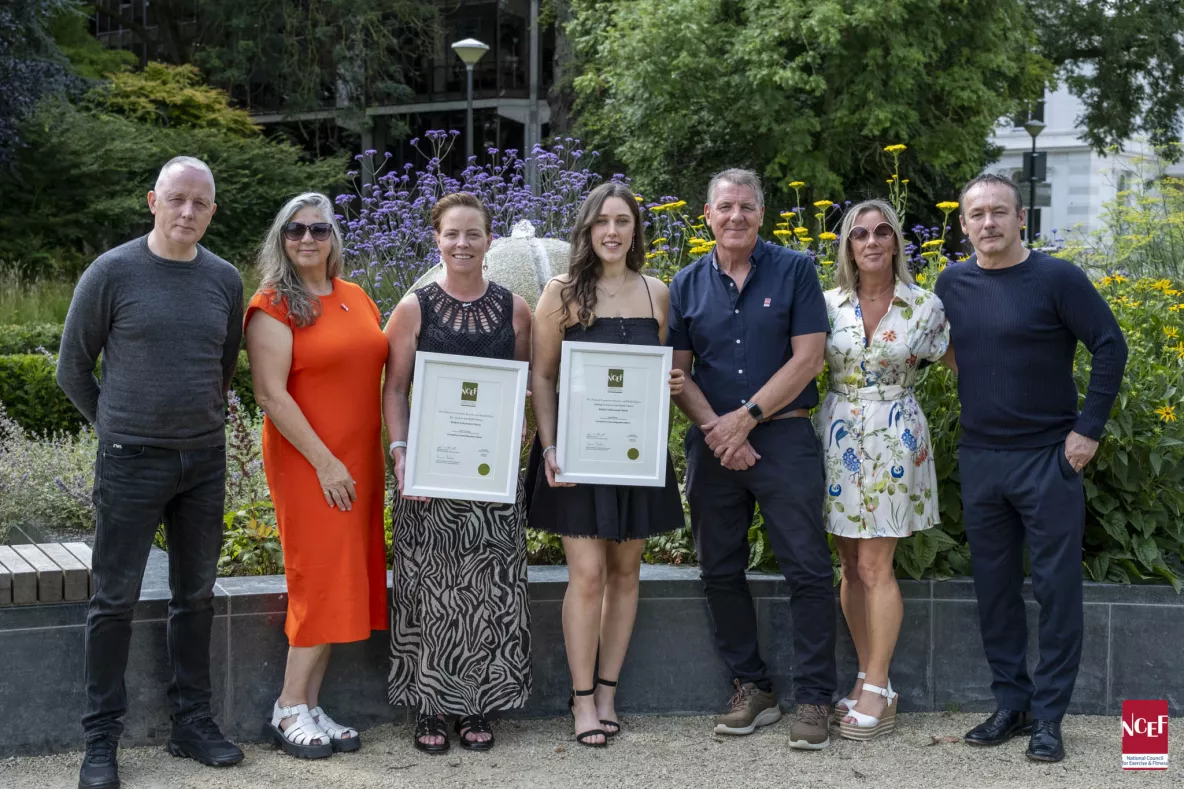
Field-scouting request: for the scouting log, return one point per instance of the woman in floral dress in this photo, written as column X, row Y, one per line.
column 880, row 478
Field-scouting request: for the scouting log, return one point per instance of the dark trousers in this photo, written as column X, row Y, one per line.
column 787, row 483
column 1007, row 495
column 136, row 489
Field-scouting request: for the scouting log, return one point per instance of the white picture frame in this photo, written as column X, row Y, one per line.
column 465, row 436
column 614, row 414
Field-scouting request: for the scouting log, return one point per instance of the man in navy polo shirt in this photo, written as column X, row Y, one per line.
column 751, row 317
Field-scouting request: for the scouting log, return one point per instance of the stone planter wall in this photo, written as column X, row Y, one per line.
column 1132, row 641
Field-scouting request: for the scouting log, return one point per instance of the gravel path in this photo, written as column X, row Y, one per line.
column 651, row 752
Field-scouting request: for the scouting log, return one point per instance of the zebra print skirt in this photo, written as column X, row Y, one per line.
column 460, row 616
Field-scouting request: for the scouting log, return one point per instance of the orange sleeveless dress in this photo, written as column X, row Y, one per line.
column 334, row 561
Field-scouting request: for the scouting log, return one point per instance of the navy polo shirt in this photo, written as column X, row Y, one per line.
column 740, row 337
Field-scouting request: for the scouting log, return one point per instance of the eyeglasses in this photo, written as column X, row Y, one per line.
column 294, row 231
column 881, row 231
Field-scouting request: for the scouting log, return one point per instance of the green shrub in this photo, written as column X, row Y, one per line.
column 30, row 394
column 30, row 338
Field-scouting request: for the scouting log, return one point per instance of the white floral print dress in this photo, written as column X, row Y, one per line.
column 880, row 477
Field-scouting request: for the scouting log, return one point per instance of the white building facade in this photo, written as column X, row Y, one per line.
column 1081, row 181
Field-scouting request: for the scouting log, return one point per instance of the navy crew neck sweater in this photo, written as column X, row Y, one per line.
column 1015, row 331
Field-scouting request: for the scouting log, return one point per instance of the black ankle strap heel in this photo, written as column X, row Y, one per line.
column 583, row 736
column 611, row 728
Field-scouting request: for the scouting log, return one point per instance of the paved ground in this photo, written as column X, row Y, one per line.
column 651, row 752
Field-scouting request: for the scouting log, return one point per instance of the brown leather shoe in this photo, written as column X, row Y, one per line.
column 810, row 730
column 751, row 708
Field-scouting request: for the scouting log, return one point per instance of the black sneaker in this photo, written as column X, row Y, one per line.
column 201, row 740
column 99, row 767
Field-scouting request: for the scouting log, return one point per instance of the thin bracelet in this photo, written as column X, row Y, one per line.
column 396, row 444
column 548, row 449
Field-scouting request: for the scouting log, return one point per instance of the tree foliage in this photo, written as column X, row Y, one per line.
column 78, row 187
column 31, row 65
column 1125, row 61
column 164, row 95
column 293, row 55
column 799, row 89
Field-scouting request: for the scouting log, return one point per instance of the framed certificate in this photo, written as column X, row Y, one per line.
column 466, row 428
column 614, row 411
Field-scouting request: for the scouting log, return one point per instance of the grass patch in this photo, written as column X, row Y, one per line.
column 24, row 300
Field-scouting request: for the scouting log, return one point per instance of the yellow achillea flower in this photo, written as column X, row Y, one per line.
column 1167, row 413
column 796, row 184
column 827, row 237
column 937, row 242
column 650, row 255
column 898, row 148
column 823, row 204
column 782, row 233
column 947, row 205
column 788, row 214
column 801, row 231
column 637, row 198
column 828, row 262
column 806, row 240
column 659, row 240
column 1171, row 332
column 920, row 277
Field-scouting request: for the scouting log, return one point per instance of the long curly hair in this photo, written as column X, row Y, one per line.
column 585, row 268
column 278, row 275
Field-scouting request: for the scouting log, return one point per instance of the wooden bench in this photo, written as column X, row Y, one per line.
column 51, row 573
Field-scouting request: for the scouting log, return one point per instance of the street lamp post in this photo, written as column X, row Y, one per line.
column 470, row 50
column 1033, row 127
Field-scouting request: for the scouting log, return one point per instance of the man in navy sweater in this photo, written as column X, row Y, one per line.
column 1016, row 316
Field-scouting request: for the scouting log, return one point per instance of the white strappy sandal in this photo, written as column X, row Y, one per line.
column 342, row 738
column 303, row 739
column 867, row 727
column 842, row 705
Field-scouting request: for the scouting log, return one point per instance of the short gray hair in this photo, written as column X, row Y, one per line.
column 847, row 276
column 278, row 276
column 191, row 162
column 737, row 177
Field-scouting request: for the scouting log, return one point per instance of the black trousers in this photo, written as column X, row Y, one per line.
column 788, row 484
column 1009, row 495
column 136, row 489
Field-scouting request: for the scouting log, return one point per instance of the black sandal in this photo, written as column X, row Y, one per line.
column 430, row 726
column 616, row 726
column 474, row 724
column 583, row 736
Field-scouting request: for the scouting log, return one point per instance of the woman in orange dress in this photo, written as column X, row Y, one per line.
column 317, row 355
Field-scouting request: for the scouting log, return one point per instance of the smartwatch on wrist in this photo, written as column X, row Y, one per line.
column 755, row 411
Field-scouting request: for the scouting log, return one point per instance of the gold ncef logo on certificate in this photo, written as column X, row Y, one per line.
column 616, row 379
column 468, row 392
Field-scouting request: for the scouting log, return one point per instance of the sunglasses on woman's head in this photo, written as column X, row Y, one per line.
column 294, row 231
column 882, row 231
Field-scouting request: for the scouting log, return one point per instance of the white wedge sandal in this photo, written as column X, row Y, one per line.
column 842, row 705
column 343, row 738
column 867, row 727
column 303, row 739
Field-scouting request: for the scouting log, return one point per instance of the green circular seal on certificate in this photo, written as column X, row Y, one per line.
column 483, row 469
column 633, row 453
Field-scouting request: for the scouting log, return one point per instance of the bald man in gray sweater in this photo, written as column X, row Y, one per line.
column 165, row 316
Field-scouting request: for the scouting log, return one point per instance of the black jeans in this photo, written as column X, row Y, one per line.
column 788, row 483
column 136, row 489
column 1009, row 495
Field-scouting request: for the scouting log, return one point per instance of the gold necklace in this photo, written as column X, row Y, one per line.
column 881, row 293
column 613, row 295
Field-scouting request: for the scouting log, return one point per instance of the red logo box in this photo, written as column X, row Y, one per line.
column 1145, row 735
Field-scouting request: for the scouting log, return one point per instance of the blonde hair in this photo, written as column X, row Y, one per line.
column 847, row 276
column 277, row 273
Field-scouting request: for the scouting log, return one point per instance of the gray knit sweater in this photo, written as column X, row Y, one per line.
column 168, row 332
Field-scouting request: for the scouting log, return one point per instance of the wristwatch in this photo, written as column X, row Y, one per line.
column 755, row 411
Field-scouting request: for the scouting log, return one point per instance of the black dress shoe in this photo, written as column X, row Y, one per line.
column 1000, row 727
column 1046, row 744
column 202, row 741
column 99, row 767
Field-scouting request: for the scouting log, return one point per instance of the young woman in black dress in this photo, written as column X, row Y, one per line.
column 604, row 298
